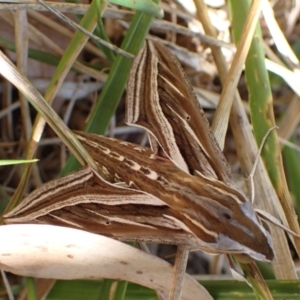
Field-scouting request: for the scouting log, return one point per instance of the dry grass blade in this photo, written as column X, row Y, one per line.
column 291, row 77
column 10, row 72
column 280, row 41
column 220, row 122
column 58, row 252
column 291, row 119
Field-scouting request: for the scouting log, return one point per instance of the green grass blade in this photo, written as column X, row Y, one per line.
column 292, row 163
column 31, row 289
column 6, row 162
column 146, row 6
column 219, row 290
column 100, row 31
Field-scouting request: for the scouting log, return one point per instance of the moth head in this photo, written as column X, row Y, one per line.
column 251, row 241
column 257, row 242
column 227, row 224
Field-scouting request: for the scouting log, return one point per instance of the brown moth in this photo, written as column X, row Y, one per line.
column 182, row 185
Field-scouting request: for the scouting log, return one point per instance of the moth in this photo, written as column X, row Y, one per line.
column 179, row 191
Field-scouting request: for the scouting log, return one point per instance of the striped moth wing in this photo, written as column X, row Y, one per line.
column 83, row 200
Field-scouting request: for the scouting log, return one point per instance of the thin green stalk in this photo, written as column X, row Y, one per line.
column 100, row 31
column 292, row 162
column 120, row 291
column 31, row 289
column 260, row 95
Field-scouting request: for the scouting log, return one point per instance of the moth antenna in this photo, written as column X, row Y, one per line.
column 289, row 144
column 273, row 220
column 251, row 175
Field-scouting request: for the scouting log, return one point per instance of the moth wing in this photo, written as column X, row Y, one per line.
column 166, row 106
column 92, row 204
